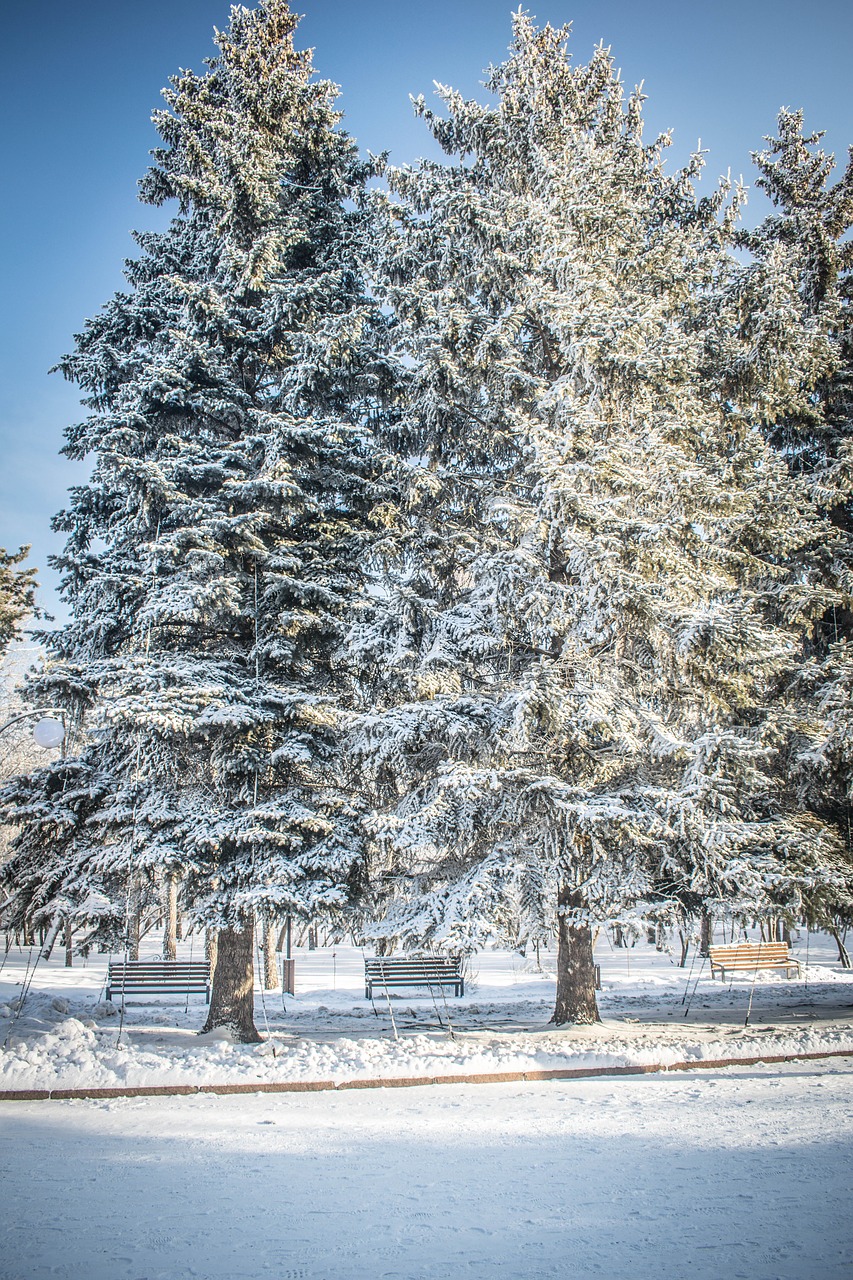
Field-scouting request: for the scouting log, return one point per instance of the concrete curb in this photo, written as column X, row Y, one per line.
column 407, row 1082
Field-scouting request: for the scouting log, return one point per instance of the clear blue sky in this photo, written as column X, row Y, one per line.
column 80, row 81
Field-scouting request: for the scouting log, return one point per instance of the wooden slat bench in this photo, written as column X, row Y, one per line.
column 750, row 956
column 413, row 971
column 158, row 977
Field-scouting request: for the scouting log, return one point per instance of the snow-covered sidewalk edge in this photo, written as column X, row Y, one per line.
column 407, row 1082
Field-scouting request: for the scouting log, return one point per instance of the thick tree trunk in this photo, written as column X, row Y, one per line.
column 706, row 934
column 232, row 1002
column 69, row 945
column 170, row 909
column 134, row 930
column 575, row 966
column 134, row 920
column 210, row 948
column 270, row 966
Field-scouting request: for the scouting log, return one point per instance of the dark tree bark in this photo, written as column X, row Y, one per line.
column 210, row 947
column 575, row 965
column 270, row 966
column 706, row 934
column 134, row 919
column 232, row 1002
column 170, row 904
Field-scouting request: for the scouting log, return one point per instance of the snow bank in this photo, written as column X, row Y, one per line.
column 78, row 1054
column 70, row 1039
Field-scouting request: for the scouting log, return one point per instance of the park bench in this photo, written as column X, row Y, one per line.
column 413, row 971
column 751, row 956
column 158, row 977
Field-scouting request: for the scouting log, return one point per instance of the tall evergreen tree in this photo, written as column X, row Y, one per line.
column 795, row 297
column 215, row 556
column 593, row 608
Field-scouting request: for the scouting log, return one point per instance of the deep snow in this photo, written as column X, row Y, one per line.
column 65, row 1036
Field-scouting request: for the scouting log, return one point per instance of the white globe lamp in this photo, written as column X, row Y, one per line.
column 49, row 733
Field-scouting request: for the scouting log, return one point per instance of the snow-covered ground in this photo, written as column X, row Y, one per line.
column 66, row 1036
column 714, row 1176
column 739, row 1172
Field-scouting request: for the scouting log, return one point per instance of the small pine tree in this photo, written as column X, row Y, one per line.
column 17, row 594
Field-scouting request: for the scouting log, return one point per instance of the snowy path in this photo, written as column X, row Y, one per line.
column 743, row 1174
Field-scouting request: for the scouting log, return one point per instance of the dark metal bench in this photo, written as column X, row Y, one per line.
column 413, row 971
column 158, row 977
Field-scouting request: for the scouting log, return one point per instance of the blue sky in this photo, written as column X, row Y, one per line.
column 80, row 82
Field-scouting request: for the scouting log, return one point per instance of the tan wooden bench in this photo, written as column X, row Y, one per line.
column 158, row 977
column 413, row 971
column 749, row 956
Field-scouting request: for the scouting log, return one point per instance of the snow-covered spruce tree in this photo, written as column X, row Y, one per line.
column 590, row 613
column 17, row 594
column 214, row 558
column 795, row 297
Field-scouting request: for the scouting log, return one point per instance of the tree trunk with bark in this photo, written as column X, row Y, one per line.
column 270, row 966
column 170, row 909
column 134, row 919
column 232, row 1001
column 210, row 948
column 575, row 964
column 69, row 944
column 706, row 934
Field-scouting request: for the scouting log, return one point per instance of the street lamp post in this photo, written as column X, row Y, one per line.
column 50, row 730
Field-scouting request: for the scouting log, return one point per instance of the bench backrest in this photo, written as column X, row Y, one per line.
column 159, row 966
column 398, row 966
column 135, row 973
column 750, row 951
